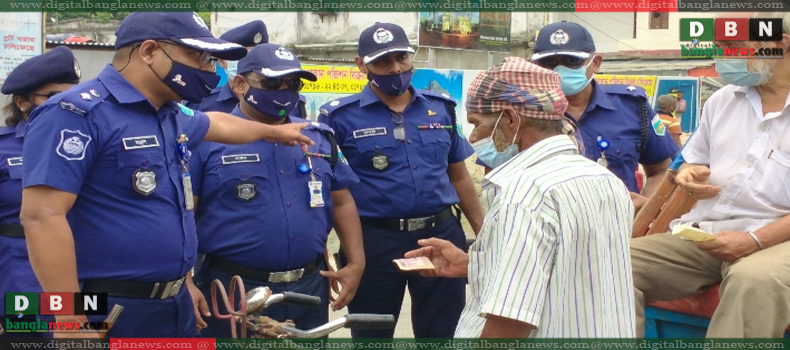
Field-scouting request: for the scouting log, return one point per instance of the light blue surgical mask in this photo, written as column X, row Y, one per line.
column 573, row 81
column 232, row 68
column 487, row 153
column 735, row 72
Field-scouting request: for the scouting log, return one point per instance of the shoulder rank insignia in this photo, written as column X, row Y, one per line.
column 631, row 88
column 72, row 108
column 430, row 112
column 186, row 110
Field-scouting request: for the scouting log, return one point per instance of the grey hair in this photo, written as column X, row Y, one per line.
column 665, row 101
column 785, row 16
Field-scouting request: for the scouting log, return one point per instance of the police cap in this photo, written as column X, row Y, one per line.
column 247, row 35
column 563, row 38
column 273, row 61
column 55, row 66
column 381, row 39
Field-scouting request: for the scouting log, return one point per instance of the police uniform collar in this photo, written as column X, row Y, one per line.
column 20, row 128
column 119, row 87
column 225, row 93
column 599, row 98
column 367, row 96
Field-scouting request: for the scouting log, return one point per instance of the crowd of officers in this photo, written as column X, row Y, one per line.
column 149, row 182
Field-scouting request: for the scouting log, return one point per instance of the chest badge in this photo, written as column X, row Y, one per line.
column 144, row 181
column 380, row 161
column 246, row 191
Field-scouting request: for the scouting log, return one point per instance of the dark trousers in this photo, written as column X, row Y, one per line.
column 304, row 317
column 173, row 317
column 16, row 275
column 436, row 303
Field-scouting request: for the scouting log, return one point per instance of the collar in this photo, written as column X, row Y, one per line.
column 546, row 148
column 119, row 87
column 599, row 98
column 20, row 128
column 367, row 96
column 225, row 93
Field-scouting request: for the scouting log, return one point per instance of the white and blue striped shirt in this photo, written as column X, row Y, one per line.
column 554, row 248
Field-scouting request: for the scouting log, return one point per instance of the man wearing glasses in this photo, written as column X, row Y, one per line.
column 107, row 205
column 265, row 210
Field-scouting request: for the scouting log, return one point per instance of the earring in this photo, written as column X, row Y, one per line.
column 22, row 109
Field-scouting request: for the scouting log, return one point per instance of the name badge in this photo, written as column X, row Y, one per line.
column 140, row 142
column 240, row 158
column 316, row 194
column 16, row 161
column 369, row 132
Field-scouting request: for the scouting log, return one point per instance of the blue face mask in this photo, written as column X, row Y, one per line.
column 223, row 77
column 573, row 81
column 276, row 104
column 486, row 150
column 735, row 72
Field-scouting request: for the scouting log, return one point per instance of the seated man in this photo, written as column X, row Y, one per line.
column 738, row 167
column 551, row 260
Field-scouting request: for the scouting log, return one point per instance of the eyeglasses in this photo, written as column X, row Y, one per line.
column 48, row 95
column 204, row 57
column 293, row 84
column 552, row 62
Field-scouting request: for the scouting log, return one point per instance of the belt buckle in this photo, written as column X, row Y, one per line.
column 170, row 289
column 416, row 224
column 286, row 276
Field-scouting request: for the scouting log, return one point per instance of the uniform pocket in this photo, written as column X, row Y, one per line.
column 775, row 185
column 437, row 142
column 377, row 152
column 140, row 171
column 243, row 184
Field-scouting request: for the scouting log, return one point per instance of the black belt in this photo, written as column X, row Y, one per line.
column 127, row 289
column 408, row 224
column 248, row 273
column 13, row 231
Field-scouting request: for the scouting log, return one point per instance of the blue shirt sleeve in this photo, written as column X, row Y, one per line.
column 194, row 126
column 197, row 168
column 659, row 147
column 60, row 147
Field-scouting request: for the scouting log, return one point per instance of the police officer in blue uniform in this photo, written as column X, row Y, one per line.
column 222, row 99
column 29, row 85
column 265, row 210
column 619, row 127
column 407, row 149
column 107, row 205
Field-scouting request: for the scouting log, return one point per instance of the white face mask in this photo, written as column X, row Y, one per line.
column 486, row 150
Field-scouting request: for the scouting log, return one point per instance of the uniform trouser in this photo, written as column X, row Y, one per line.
column 16, row 275
column 173, row 317
column 436, row 303
column 755, row 290
column 304, row 317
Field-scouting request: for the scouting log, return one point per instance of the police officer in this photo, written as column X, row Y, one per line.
column 265, row 210
column 222, row 99
column 406, row 148
column 107, row 205
column 29, row 86
column 619, row 127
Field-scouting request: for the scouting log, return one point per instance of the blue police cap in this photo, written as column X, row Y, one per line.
column 55, row 66
column 273, row 61
column 381, row 39
column 247, row 35
column 183, row 28
column 563, row 38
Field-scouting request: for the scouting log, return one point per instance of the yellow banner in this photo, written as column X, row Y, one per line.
column 644, row 81
column 336, row 80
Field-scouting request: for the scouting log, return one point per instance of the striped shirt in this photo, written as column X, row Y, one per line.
column 554, row 248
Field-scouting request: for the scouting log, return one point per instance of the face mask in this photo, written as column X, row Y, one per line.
column 232, row 68
column 573, row 81
column 191, row 84
column 393, row 85
column 274, row 104
column 735, row 72
column 223, row 76
column 486, row 150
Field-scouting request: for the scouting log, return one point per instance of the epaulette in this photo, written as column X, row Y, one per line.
column 330, row 107
column 631, row 90
column 82, row 98
column 445, row 97
column 7, row 130
column 324, row 129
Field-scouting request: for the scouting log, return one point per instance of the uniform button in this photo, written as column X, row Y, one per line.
column 408, row 141
column 377, row 147
column 415, row 167
column 282, row 172
column 288, row 204
column 421, row 192
column 243, row 175
column 144, row 162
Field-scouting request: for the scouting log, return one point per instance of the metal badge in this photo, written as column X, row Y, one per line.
column 144, row 181
column 399, row 133
column 246, row 191
column 380, row 161
column 316, row 194
column 189, row 198
column 602, row 161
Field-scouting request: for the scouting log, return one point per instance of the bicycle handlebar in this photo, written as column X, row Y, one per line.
column 352, row 321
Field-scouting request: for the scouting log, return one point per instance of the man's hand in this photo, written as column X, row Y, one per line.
column 448, row 260
column 729, row 246
column 638, row 200
column 694, row 180
column 199, row 303
column 348, row 278
column 289, row 134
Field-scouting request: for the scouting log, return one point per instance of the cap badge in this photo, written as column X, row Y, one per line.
column 177, row 80
column 199, row 20
column 86, row 96
column 257, row 38
column 77, row 69
column 382, row 36
column 559, row 38
column 284, row 54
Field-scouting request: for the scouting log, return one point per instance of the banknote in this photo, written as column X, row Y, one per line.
column 692, row 233
column 414, row 264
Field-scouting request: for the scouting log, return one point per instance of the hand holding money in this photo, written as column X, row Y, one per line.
column 447, row 259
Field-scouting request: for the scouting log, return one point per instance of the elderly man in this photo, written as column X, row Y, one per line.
column 551, row 260
column 738, row 166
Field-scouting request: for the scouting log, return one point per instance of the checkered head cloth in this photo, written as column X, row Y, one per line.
column 533, row 91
